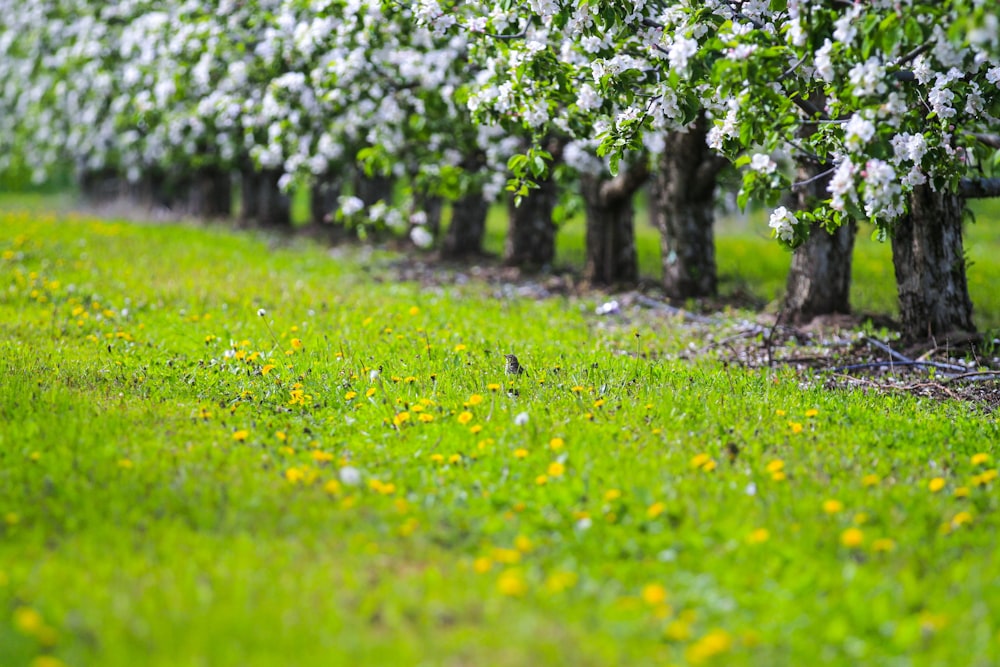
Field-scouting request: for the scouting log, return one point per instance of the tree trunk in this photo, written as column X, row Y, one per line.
column 531, row 236
column 682, row 199
column 205, row 194
column 819, row 281
column 929, row 259
column 372, row 189
column 464, row 236
column 274, row 207
column 323, row 199
column 250, row 181
column 611, row 257
column 102, row 186
column 431, row 206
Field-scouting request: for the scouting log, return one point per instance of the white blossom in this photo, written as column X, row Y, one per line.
column 421, row 237
column 783, row 223
column 763, row 163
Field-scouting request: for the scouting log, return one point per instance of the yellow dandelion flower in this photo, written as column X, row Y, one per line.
column 779, row 476
column 832, row 506
column 780, row 413
column 401, row 418
column 962, row 492
column 437, row 458
column 980, row 458
column 455, row 458
column 523, row 544
column 599, row 402
column 296, row 343
column 678, row 630
column 267, row 368
column 506, row 556
column 776, row 465
column 520, row 453
column 512, row 583
column 350, row 396
column 482, row 565
column 332, row 487
column 559, row 581
column 414, row 310
column 321, row 457
column 577, row 389
column 28, row 621
column 426, row 417
column 795, row 426
column 936, row 484
column 465, row 418
column 371, row 392
column 240, row 435
column 655, row 510
column 474, row 400
column 409, row 527
column 700, row 460
column 493, row 386
column 556, row 469
column 541, row 480
column 126, row 464
column 460, row 347
column 654, row 594
column 709, row 466
column 852, row 538
column 556, row 443
column 612, row 495
column 294, row 475
column 812, row 412
column 961, row 519
column 714, row 643
column 884, row 545
column 759, row 536
column 475, row 428
column 870, row 480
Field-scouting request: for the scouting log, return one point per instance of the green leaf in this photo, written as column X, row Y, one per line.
column 914, row 33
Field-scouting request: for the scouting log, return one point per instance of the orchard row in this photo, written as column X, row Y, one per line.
column 881, row 112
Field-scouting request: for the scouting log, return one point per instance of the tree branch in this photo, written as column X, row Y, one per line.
column 626, row 182
column 798, row 185
column 991, row 140
column 907, row 57
column 979, row 188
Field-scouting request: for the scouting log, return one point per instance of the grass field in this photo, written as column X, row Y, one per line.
column 223, row 449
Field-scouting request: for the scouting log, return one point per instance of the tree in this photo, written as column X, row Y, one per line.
column 683, row 209
column 904, row 92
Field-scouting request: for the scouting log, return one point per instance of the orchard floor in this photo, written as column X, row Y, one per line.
column 227, row 449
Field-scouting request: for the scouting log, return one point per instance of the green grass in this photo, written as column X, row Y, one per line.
column 165, row 500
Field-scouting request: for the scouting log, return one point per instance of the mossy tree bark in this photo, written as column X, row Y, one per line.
column 610, row 253
column 929, row 261
column 464, row 236
column 819, row 281
column 531, row 236
column 683, row 210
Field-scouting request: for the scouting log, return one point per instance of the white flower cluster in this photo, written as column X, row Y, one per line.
column 783, row 223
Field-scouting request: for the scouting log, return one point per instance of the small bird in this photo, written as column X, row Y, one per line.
column 513, row 367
